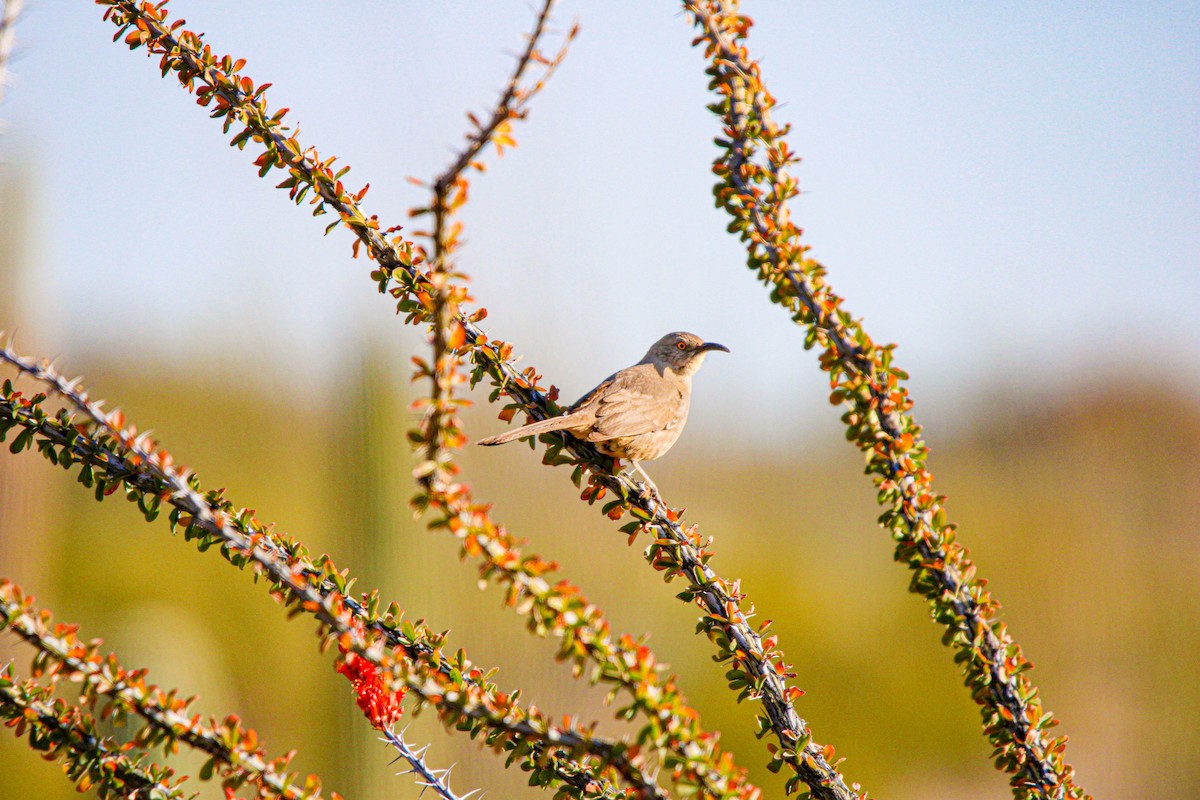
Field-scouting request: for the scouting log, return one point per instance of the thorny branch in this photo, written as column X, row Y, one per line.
column 436, row 779
column 411, row 654
column 90, row 761
column 693, row 756
column 64, row 655
column 449, row 191
column 512, row 103
column 755, row 193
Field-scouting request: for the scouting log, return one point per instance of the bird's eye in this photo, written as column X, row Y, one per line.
column 681, row 345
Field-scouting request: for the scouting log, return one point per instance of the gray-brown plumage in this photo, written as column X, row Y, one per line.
column 637, row 413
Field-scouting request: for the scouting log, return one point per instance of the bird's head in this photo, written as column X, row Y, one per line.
column 681, row 351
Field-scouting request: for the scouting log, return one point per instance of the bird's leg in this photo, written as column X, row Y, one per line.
column 618, row 469
column 649, row 482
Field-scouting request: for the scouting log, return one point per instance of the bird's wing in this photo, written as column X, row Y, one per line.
column 631, row 403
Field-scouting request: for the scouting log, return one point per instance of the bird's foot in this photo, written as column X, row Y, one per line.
column 649, row 490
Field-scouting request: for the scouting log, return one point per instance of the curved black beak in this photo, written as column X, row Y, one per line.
column 704, row 348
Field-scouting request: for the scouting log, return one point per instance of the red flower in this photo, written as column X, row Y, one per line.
column 377, row 703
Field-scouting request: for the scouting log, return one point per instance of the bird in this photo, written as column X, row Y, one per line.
column 637, row 413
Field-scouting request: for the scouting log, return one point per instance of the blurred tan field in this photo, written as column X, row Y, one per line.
column 1080, row 509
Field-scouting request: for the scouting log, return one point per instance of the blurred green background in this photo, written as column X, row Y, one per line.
column 1080, row 506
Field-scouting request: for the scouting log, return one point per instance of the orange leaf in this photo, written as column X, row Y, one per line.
column 458, row 336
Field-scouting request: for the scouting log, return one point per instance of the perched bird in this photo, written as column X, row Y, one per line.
column 637, row 413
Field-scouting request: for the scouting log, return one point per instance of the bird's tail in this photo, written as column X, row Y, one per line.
column 532, row 429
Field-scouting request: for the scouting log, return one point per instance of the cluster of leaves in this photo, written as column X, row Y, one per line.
column 754, row 187
column 234, row 752
column 755, row 667
column 66, row 732
column 113, row 458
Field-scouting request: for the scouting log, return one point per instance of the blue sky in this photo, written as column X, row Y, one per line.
column 1010, row 191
